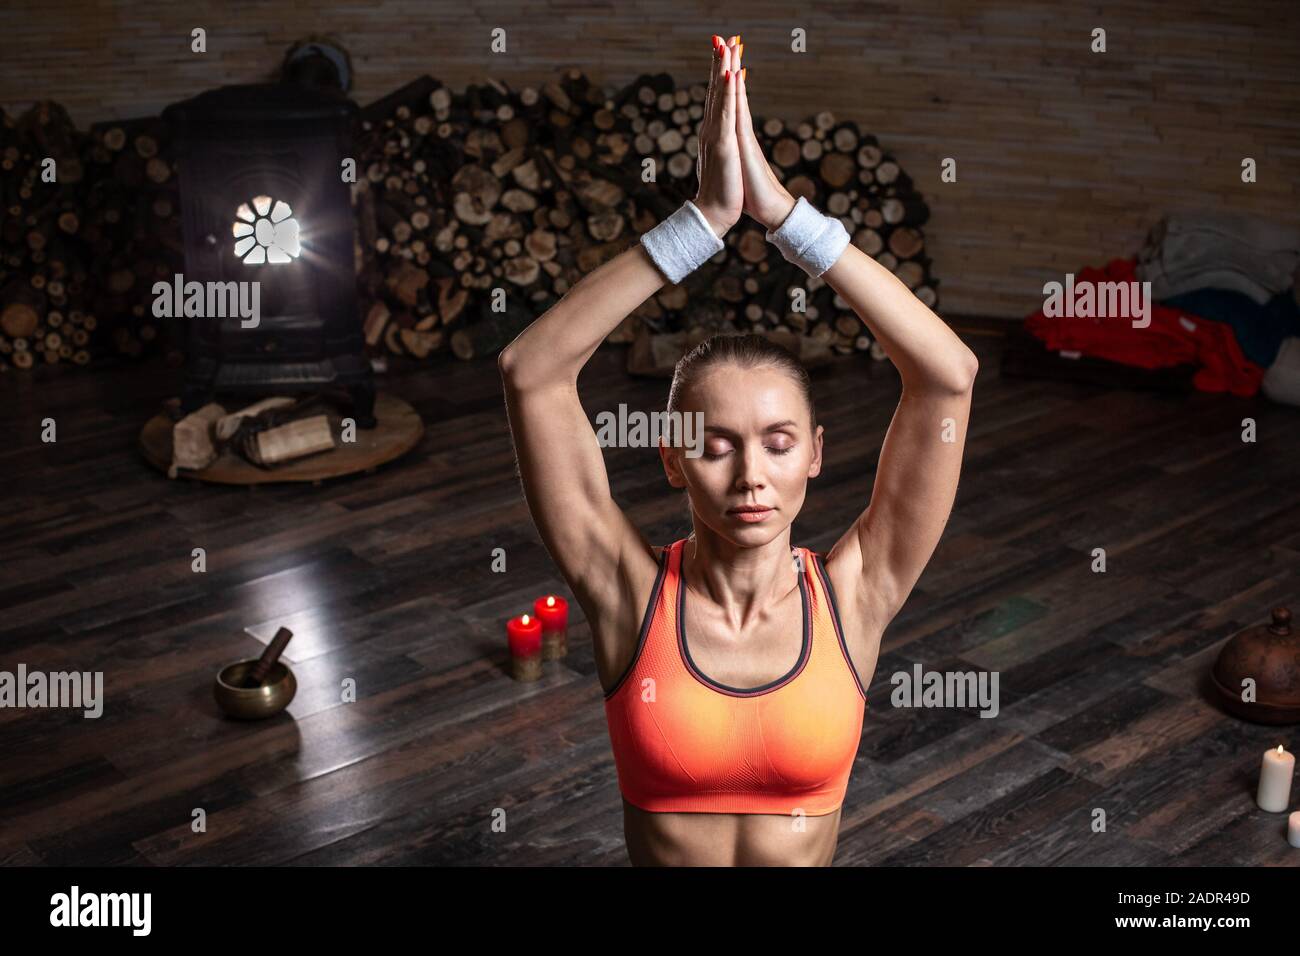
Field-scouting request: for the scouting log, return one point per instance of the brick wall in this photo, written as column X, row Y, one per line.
column 1064, row 157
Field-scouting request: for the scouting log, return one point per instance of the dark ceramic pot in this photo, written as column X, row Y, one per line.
column 1270, row 654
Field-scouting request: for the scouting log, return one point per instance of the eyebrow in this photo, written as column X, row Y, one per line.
column 775, row 426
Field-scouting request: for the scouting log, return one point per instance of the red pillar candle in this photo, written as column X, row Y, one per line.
column 553, row 612
column 525, row 637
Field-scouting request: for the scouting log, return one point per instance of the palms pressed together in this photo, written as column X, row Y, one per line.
column 733, row 172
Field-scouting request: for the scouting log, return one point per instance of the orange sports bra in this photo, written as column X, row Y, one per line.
column 684, row 743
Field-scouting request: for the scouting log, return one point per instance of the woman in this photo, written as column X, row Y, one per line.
column 734, row 747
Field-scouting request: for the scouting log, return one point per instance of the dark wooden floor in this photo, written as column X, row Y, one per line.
column 386, row 579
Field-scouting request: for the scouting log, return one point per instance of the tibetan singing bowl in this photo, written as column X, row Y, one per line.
column 254, row 703
column 1270, row 655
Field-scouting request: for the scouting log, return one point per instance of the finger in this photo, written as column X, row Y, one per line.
column 744, row 122
column 711, row 98
column 727, row 104
column 715, row 74
column 710, row 101
column 720, row 94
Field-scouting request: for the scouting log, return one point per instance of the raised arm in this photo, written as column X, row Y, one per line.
column 560, row 461
column 601, row 555
column 890, row 543
column 878, row 560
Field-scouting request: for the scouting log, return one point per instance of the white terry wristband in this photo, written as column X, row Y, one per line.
column 810, row 240
column 682, row 243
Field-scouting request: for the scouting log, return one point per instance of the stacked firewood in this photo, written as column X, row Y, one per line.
column 530, row 190
column 462, row 194
column 458, row 195
column 78, row 254
column 43, row 279
column 841, row 170
column 133, row 228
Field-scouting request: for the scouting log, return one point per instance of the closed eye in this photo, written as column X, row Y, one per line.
column 711, row 456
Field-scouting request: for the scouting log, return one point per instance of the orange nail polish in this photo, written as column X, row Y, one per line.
column 734, row 40
column 740, row 49
column 742, row 72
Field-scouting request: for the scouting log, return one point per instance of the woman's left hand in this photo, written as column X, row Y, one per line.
column 766, row 200
column 721, row 193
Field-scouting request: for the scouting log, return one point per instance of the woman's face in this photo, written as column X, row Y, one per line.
column 759, row 452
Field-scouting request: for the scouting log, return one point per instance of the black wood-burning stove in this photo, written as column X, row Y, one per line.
column 263, row 200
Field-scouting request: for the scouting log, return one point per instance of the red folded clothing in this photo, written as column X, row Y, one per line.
column 1174, row 337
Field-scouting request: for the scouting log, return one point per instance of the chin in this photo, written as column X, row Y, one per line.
column 754, row 535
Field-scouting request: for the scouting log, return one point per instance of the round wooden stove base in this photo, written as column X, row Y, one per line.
column 398, row 431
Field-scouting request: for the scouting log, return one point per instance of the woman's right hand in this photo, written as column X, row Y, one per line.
column 721, row 195
column 767, row 201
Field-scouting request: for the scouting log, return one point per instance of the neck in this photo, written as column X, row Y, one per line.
column 742, row 581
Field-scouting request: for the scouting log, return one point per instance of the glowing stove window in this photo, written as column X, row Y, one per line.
column 266, row 232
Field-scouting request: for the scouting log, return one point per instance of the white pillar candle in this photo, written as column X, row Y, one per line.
column 1275, row 780
column 1293, row 828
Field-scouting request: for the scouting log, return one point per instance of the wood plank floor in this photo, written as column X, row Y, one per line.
column 386, row 579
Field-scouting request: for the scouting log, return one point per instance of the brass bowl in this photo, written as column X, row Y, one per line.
column 258, row 702
column 1270, row 655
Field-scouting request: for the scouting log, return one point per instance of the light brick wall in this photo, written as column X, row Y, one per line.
column 1064, row 156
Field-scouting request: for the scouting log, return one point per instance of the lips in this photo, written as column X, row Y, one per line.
column 751, row 512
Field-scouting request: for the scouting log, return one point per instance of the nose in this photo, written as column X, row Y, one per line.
column 750, row 475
